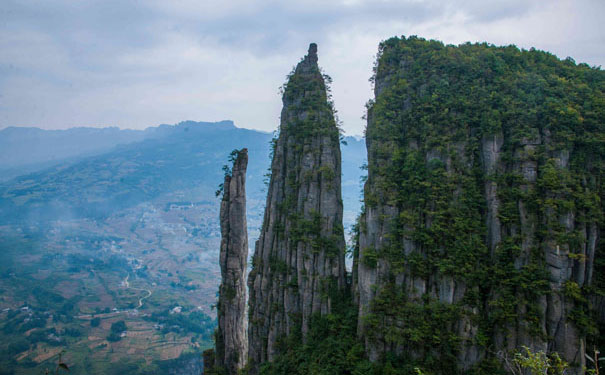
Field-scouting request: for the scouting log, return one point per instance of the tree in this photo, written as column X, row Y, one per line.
column 119, row 326
column 538, row 363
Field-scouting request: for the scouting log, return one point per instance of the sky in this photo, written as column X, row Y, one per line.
column 135, row 64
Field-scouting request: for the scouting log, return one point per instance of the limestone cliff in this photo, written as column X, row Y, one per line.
column 298, row 264
column 232, row 335
column 483, row 204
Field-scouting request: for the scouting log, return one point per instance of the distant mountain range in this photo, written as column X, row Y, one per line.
column 25, row 150
column 30, row 149
column 91, row 172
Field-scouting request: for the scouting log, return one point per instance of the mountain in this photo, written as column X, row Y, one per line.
column 489, row 164
column 127, row 233
column 185, row 157
column 231, row 337
column 28, row 149
column 299, row 259
column 479, row 248
column 168, row 159
column 24, row 150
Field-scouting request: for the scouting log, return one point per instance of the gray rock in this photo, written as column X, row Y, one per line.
column 232, row 336
column 511, row 163
column 299, row 258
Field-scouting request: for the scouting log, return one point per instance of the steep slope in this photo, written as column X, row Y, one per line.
column 26, row 150
column 172, row 157
column 483, row 204
column 298, row 263
column 184, row 157
column 232, row 335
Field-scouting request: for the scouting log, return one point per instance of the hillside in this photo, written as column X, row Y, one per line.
column 131, row 233
column 27, row 150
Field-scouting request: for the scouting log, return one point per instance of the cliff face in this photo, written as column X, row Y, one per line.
column 483, row 204
column 298, row 262
column 231, row 336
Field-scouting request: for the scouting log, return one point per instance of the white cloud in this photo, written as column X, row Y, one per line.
column 137, row 64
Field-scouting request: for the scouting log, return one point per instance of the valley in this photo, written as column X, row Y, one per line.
column 151, row 275
column 130, row 235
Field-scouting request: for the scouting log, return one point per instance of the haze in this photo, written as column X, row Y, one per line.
column 141, row 63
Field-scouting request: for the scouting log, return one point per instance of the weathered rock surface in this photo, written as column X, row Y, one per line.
column 232, row 335
column 188, row 364
column 448, row 196
column 299, row 258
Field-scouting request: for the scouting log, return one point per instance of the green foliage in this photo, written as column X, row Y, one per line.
column 116, row 330
column 309, row 92
column 331, row 346
column 228, row 293
column 436, row 108
column 17, row 346
column 219, row 191
column 113, row 337
column 369, row 257
column 535, row 363
column 227, row 171
column 423, row 328
column 119, row 326
column 195, row 321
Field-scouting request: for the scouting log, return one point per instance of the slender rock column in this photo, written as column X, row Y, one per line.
column 232, row 338
column 298, row 264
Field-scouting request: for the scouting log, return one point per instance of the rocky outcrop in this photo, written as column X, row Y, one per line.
column 298, row 263
column 185, row 364
column 208, row 361
column 481, row 221
column 232, row 335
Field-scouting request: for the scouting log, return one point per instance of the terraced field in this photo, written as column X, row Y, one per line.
column 129, row 235
column 156, row 276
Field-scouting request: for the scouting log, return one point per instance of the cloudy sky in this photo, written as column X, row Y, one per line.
column 134, row 64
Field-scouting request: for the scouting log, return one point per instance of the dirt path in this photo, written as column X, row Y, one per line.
column 126, row 284
column 149, row 292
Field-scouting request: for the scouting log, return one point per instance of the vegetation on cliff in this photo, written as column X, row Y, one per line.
column 483, row 210
column 298, row 264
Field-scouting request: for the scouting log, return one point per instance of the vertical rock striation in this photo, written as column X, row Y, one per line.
column 483, row 204
column 231, row 336
column 298, row 264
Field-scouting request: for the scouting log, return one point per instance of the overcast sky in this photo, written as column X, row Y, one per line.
column 135, row 64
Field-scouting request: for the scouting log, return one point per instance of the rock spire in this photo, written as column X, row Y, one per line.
column 232, row 336
column 298, row 264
